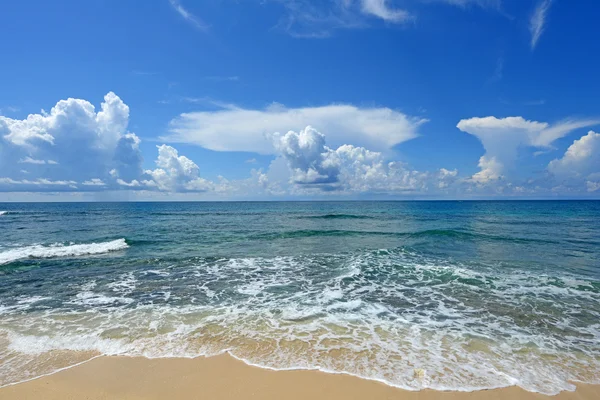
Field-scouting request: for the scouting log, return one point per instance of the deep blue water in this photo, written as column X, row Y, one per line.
column 447, row 295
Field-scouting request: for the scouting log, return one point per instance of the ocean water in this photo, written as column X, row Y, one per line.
column 443, row 295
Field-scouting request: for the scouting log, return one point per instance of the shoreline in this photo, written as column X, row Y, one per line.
column 225, row 377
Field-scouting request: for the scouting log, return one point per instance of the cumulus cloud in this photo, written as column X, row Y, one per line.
column 491, row 170
column 75, row 148
column 581, row 159
column 446, row 177
column 307, row 156
column 502, row 138
column 537, row 21
column 593, row 186
column 176, row 173
column 71, row 143
column 349, row 169
column 239, row 129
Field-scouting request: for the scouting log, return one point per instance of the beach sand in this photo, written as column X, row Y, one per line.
column 224, row 377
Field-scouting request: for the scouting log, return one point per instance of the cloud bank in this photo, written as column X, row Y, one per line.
column 76, row 148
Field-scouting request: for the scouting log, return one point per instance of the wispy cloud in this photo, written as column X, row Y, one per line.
column 380, row 8
column 498, row 71
column 319, row 19
column 494, row 4
column 143, row 73
column 29, row 160
column 188, row 16
column 313, row 20
column 233, row 78
column 8, row 109
column 539, row 102
column 537, row 21
column 207, row 101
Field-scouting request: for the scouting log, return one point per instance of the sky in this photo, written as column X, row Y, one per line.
column 299, row 99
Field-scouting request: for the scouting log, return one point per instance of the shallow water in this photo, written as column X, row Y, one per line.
column 442, row 295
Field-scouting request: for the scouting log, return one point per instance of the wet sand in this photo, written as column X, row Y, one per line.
column 224, row 377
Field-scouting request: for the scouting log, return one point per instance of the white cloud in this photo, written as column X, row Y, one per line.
column 491, row 170
column 238, row 129
column 76, row 141
column 188, row 16
column 321, row 18
column 307, row 156
column 318, row 19
column 133, row 183
column 37, row 182
column 593, row 186
column 381, row 9
column 29, row 160
column 8, row 109
column 176, row 173
column 233, row 78
column 580, row 160
column 498, row 72
column 537, row 21
column 446, row 177
column 502, row 138
column 365, row 171
column 93, row 182
column 494, row 4
column 349, row 169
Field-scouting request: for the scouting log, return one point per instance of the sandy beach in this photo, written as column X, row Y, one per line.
column 224, row 377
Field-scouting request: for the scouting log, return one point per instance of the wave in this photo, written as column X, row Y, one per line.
column 433, row 233
column 3, row 212
column 60, row 250
column 336, row 216
column 395, row 316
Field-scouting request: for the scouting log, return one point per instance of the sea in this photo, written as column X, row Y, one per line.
column 443, row 295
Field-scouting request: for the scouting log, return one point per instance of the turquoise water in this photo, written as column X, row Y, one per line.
column 442, row 295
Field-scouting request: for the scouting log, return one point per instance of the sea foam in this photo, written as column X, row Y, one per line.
column 392, row 316
column 60, row 250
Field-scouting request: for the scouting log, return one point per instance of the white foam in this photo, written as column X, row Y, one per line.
column 3, row 212
column 125, row 285
column 60, row 250
column 98, row 299
column 157, row 272
column 407, row 328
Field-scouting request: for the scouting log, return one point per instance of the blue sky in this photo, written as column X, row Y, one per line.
column 278, row 99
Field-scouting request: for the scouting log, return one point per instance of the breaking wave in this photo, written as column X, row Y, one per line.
column 60, row 250
column 394, row 316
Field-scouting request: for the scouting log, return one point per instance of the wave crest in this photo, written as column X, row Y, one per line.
column 60, row 250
